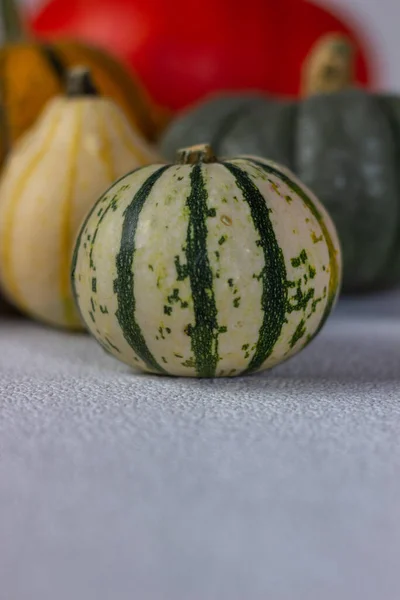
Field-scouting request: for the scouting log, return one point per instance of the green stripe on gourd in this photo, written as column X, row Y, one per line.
column 79, row 242
column 204, row 334
column 334, row 280
column 125, row 282
column 274, row 277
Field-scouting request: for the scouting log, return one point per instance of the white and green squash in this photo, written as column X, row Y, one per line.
column 206, row 268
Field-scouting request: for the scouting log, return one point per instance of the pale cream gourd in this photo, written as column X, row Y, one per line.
column 80, row 145
column 206, row 267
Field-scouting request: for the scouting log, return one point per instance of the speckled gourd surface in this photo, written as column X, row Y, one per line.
column 206, row 268
column 78, row 147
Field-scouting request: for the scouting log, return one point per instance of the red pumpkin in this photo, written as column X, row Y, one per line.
column 184, row 50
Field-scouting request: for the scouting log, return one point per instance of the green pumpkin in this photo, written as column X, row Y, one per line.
column 345, row 146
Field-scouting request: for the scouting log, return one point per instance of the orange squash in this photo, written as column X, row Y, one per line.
column 33, row 72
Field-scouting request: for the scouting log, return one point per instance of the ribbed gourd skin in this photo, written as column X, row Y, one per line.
column 206, row 270
column 53, row 177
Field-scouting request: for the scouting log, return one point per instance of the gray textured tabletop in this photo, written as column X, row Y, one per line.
column 281, row 486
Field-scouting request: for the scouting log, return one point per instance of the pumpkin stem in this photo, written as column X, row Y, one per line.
column 12, row 21
column 202, row 153
column 329, row 66
column 80, row 82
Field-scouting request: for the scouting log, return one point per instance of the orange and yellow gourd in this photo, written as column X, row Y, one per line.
column 32, row 72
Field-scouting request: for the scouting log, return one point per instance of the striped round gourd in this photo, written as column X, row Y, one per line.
column 206, row 268
column 79, row 146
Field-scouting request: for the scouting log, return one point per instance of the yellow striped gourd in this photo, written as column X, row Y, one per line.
column 81, row 144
